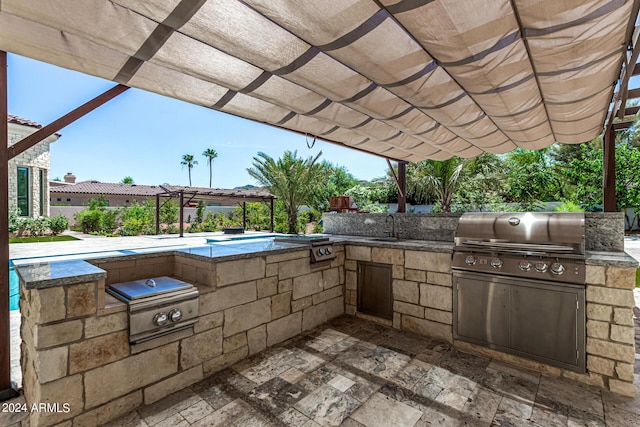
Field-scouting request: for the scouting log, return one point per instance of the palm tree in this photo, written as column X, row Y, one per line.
column 127, row 180
column 210, row 154
column 441, row 178
column 187, row 160
column 291, row 179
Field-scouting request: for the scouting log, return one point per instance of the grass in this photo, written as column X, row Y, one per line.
column 638, row 278
column 41, row 239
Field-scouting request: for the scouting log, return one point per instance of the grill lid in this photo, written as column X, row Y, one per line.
column 139, row 289
column 520, row 231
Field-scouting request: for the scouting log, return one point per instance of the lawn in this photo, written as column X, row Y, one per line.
column 638, row 278
column 41, row 239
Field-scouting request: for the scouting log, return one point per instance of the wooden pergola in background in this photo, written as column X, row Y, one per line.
column 214, row 194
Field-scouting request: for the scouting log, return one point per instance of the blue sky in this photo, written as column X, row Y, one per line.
column 144, row 135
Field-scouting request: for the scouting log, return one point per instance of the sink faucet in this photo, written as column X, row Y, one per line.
column 391, row 233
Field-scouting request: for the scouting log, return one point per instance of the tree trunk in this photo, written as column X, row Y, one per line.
column 293, row 222
column 189, row 167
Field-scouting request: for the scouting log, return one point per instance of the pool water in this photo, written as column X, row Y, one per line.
column 14, row 289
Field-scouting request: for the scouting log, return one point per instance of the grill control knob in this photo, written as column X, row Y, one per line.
column 175, row 315
column 470, row 260
column 557, row 268
column 329, row 251
column 160, row 319
column 540, row 266
column 320, row 252
column 496, row 262
column 524, row 265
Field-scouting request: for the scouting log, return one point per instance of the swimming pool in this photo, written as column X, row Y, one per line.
column 14, row 288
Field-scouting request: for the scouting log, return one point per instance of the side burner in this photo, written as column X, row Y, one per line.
column 157, row 306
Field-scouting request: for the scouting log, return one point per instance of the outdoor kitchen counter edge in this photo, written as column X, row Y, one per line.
column 611, row 259
column 58, row 273
column 418, row 245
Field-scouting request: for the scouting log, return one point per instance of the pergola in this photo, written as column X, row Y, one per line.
column 211, row 194
column 407, row 80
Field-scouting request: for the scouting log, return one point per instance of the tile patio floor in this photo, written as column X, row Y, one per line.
column 355, row 373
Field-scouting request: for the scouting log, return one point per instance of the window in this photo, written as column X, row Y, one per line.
column 23, row 191
column 42, row 181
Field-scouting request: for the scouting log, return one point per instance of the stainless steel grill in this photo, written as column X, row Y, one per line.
column 519, row 284
column 536, row 246
column 157, row 306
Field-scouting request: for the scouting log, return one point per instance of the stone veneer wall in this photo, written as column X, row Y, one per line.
column 36, row 158
column 422, row 295
column 439, row 227
column 76, row 348
column 610, row 328
column 423, row 303
column 603, row 231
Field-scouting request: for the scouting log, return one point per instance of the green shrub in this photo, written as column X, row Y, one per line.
column 89, row 220
column 568, row 206
column 132, row 226
column 200, row 211
column 58, row 224
column 14, row 221
column 138, row 219
column 169, row 212
column 36, row 226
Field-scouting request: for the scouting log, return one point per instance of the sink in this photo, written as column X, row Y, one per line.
column 386, row 239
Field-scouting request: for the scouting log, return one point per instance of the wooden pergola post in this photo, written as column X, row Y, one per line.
column 244, row 215
column 6, row 392
column 401, row 183
column 402, row 187
column 609, row 168
column 271, row 228
column 157, row 214
column 182, row 214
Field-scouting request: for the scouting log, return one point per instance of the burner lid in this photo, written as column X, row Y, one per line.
column 145, row 288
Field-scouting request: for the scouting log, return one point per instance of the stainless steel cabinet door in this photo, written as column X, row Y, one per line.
column 544, row 323
column 374, row 289
column 482, row 311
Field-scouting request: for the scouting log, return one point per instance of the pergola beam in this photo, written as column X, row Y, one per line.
column 622, row 125
column 53, row 127
column 633, row 94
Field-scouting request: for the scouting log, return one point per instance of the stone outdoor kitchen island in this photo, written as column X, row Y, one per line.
column 76, row 347
column 75, row 336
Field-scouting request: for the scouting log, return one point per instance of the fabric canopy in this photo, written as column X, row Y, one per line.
column 408, row 80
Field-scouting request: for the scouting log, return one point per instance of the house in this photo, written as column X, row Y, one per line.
column 29, row 171
column 70, row 193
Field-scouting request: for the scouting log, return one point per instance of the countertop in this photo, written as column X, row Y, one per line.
column 56, row 273
column 611, row 259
